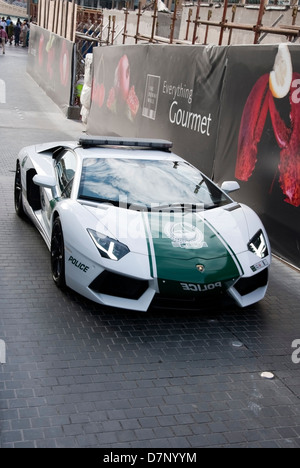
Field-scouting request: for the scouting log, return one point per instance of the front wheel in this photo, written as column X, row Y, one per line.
column 18, row 192
column 58, row 255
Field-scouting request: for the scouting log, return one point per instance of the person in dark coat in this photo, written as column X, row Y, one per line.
column 10, row 32
column 17, row 32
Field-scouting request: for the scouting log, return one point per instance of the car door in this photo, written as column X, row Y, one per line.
column 65, row 168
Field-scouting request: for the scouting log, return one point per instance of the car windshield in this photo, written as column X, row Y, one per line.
column 148, row 184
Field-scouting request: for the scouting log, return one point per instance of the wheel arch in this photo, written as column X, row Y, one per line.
column 55, row 215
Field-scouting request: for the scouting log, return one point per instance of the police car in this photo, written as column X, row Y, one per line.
column 126, row 220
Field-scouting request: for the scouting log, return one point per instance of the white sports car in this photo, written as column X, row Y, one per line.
column 126, row 220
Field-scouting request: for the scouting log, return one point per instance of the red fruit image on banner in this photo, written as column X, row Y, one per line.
column 101, row 95
column 98, row 88
column 251, row 129
column 263, row 99
column 111, row 101
column 98, row 93
column 64, row 64
column 122, row 79
column 288, row 139
column 133, row 103
column 50, row 49
column 122, row 97
column 51, row 57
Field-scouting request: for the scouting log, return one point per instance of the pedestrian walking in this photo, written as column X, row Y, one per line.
column 24, row 31
column 3, row 38
column 3, row 23
column 27, row 35
column 17, row 32
column 10, row 32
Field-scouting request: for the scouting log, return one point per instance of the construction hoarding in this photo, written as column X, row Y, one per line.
column 171, row 92
column 259, row 139
column 50, row 63
column 220, row 109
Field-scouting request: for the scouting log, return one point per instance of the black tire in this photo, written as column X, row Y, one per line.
column 18, row 192
column 58, row 255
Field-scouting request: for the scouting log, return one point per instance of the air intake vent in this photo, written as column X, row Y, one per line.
column 112, row 284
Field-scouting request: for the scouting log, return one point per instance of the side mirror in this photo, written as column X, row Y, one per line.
column 45, row 181
column 230, row 186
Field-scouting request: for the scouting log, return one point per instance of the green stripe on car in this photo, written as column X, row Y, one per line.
column 188, row 252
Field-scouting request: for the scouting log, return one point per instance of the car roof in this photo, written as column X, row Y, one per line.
column 124, row 147
column 114, row 147
column 126, row 153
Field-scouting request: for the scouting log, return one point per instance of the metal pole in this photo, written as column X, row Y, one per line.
column 154, row 16
column 262, row 37
column 174, row 18
column 188, row 24
column 232, row 20
column 261, row 13
column 223, row 22
column 294, row 16
column 126, row 12
column 196, row 22
column 108, row 29
column 138, row 22
column 113, row 29
column 209, row 15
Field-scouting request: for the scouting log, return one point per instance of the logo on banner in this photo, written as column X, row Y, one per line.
column 151, row 97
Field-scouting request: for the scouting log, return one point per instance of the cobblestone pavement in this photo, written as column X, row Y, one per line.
column 78, row 375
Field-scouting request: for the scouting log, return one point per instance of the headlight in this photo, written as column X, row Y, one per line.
column 108, row 248
column 258, row 245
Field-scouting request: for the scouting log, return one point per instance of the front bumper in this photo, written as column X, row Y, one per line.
column 120, row 291
column 250, row 290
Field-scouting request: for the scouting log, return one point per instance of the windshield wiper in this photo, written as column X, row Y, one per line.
column 183, row 207
column 217, row 204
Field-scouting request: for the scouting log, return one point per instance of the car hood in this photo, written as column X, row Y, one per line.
column 207, row 234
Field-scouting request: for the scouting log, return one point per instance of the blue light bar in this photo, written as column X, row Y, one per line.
column 91, row 141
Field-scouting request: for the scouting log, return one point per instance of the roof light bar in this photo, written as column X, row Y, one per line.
column 89, row 142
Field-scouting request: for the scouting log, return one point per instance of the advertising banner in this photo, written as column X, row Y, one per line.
column 158, row 91
column 259, row 138
column 50, row 63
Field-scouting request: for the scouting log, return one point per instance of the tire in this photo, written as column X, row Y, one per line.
column 18, row 193
column 58, row 255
